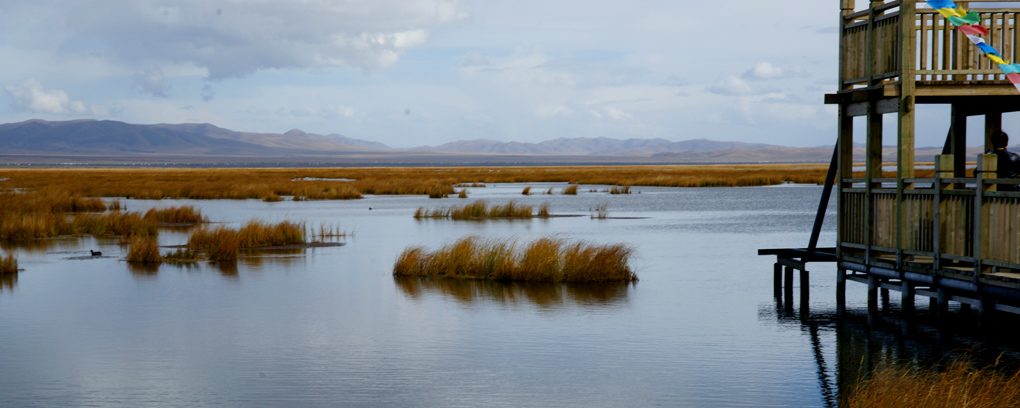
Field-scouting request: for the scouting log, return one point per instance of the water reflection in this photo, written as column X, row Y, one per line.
column 542, row 294
column 8, row 281
column 143, row 270
column 31, row 245
column 920, row 341
column 227, row 269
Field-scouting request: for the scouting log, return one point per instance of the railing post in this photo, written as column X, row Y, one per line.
column 986, row 166
column 943, row 169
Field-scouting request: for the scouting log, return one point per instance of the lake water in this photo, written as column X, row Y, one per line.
column 332, row 327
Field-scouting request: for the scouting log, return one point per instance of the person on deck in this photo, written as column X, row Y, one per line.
column 1008, row 165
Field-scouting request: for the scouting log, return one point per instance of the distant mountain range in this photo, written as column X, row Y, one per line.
column 112, row 141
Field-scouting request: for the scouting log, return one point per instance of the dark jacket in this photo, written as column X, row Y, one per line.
column 1008, row 166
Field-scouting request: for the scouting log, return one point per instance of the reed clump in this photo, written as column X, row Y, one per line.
column 186, row 214
column 8, row 264
column 181, row 256
column 462, row 194
column 144, row 250
column 223, row 243
column 619, row 190
column 479, row 210
column 571, row 190
column 527, row 190
column 543, row 260
column 958, row 385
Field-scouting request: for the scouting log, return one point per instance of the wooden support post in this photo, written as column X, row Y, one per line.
column 986, row 309
column 840, row 292
column 777, row 280
column 872, row 292
column 943, row 302
column 805, row 289
column 884, row 297
column 905, row 120
column 958, row 148
column 788, row 286
column 993, row 123
column 906, row 297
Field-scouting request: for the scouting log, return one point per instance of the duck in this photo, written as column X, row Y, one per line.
column 96, row 253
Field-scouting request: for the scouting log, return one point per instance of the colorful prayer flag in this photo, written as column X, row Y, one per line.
column 972, row 30
column 941, row 4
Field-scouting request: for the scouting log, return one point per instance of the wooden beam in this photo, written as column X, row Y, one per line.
column 958, row 147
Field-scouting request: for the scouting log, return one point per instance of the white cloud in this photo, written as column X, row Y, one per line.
column 765, row 71
column 151, row 81
column 29, row 95
column 731, row 85
column 617, row 113
column 231, row 39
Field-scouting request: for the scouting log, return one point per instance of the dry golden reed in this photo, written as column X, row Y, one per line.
column 223, row 243
column 619, row 190
column 543, row 260
column 144, row 250
column 8, row 264
column 479, row 210
column 959, row 385
column 185, row 214
column 313, row 183
column 570, row 190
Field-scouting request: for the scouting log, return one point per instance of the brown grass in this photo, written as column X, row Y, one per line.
column 620, row 190
column 144, row 250
column 8, row 265
column 570, row 190
column 959, row 385
column 462, row 194
column 309, row 184
column 544, row 260
column 479, row 210
column 186, row 214
column 527, row 190
column 181, row 255
column 223, row 243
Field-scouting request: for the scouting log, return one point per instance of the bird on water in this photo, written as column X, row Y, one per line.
column 96, row 253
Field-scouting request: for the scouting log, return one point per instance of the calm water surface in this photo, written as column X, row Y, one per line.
column 332, row 327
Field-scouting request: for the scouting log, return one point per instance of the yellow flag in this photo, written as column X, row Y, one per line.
column 996, row 59
column 959, row 12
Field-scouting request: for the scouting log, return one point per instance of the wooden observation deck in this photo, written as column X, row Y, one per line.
column 951, row 237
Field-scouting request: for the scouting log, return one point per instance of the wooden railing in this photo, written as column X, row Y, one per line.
column 942, row 53
column 939, row 217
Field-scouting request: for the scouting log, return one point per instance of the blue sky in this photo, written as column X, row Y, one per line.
column 425, row 72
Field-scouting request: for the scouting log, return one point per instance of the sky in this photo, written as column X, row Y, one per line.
column 425, row 72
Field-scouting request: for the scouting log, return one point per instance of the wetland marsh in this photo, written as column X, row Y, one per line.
column 332, row 326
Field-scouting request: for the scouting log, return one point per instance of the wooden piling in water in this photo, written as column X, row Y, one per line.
column 777, row 280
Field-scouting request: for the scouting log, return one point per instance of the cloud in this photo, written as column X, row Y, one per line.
column 674, row 80
column 766, row 71
column 151, row 82
column 208, row 93
column 29, row 95
column 229, row 39
column 474, row 59
column 329, row 112
column 731, row 85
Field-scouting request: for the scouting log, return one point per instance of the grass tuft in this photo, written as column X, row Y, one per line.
column 620, row 190
column 144, row 250
column 223, row 243
column 570, row 190
column 527, row 190
column 544, row 260
column 462, row 193
column 479, row 210
column 186, row 214
column 8, row 264
column 958, row 385
column 601, row 211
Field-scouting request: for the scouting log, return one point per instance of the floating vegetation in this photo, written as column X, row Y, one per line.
column 185, row 214
column 144, row 250
column 958, row 385
column 8, row 264
column 527, row 190
column 543, row 260
column 619, row 190
column 570, row 190
column 480, row 210
column 181, row 256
